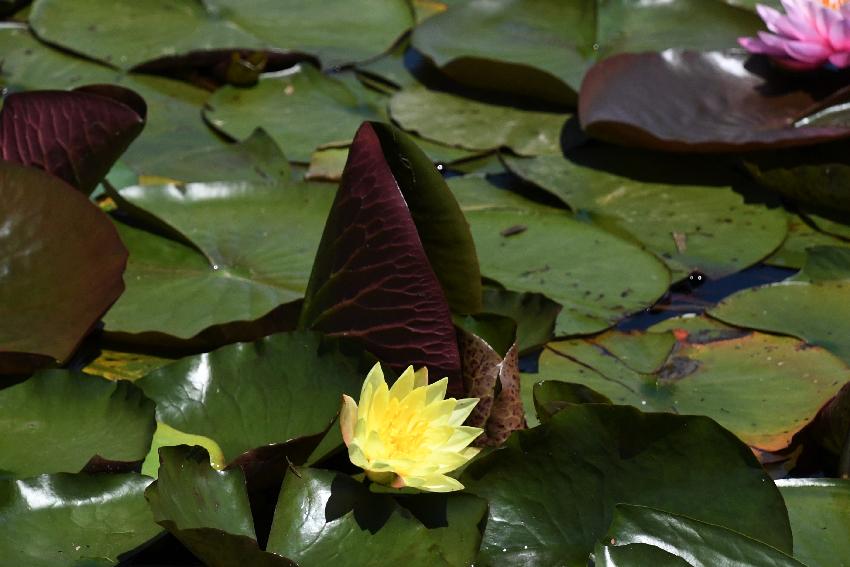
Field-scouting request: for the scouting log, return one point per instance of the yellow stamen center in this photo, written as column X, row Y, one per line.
column 834, row 4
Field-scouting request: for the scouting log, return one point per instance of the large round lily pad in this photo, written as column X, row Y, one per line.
column 249, row 395
column 693, row 542
column 57, row 421
column 65, row 520
column 55, row 279
column 251, row 249
column 761, row 387
column 552, row 489
column 301, row 111
column 127, row 33
column 543, row 47
column 690, row 227
column 597, row 277
column 709, row 101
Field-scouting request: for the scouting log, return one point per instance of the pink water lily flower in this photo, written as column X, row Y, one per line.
column 810, row 34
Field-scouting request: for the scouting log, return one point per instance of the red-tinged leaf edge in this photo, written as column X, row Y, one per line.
column 372, row 279
column 75, row 135
column 61, row 267
column 688, row 101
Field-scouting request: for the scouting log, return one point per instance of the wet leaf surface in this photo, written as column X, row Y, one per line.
column 207, row 394
column 322, row 516
column 819, row 510
column 46, row 261
column 57, row 421
column 61, row 520
column 709, row 101
column 574, row 469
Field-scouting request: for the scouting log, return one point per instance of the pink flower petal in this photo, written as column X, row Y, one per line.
column 807, row 52
column 840, row 60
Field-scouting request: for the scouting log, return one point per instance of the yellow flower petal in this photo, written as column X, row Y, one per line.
column 404, row 385
column 348, row 418
column 421, row 377
column 408, row 435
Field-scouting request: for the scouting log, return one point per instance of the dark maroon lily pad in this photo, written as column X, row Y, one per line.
column 61, row 263
column 76, row 135
column 689, row 101
column 372, row 279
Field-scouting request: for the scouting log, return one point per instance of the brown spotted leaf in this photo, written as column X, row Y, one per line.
column 372, row 279
column 494, row 380
column 75, row 135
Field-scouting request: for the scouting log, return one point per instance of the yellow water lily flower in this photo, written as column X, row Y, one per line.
column 408, row 435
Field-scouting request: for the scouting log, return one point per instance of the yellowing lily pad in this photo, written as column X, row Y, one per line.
column 761, row 387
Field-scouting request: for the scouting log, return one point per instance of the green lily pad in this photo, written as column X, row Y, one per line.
column 466, row 123
column 552, row 489
column 207, row 510
column 597, row 277
column 128, row 33
column 762, row 387
column 817, row 311
column 57, row 421
column 709, row 229
column 55, row 279
column 324, row 515
column 256, row 159
column 802, row 237
column 301, row 110
column 534, row 313
column 819, row 510
column 249, row 395
column 542, row 48
column 697, row 543
column 252, row 249
column 69, row 520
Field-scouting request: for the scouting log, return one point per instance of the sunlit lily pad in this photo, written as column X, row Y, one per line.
column 552, row 490
column 67, row 520
column 209, row 395
column 761, row 387
column 543, row 47
column 251, row 248
column 466, row 123
column 301, row 110
column 128, row 33
column 526, row 247
column 57, row 421
column 709, row 229
column 815, row 309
